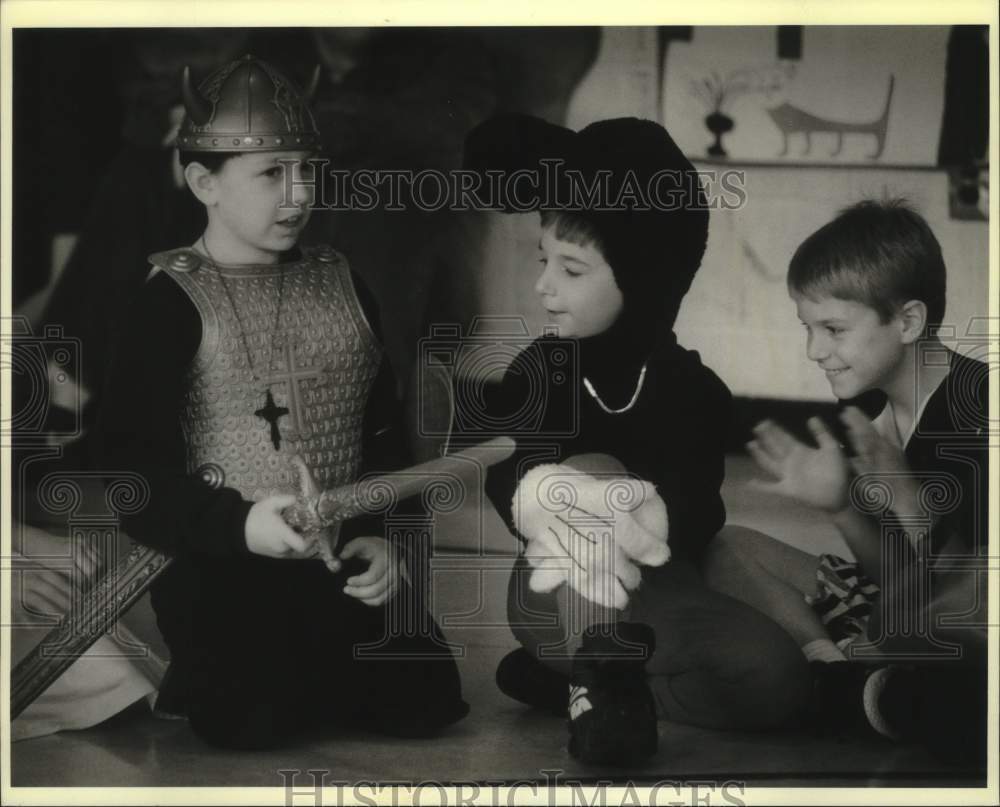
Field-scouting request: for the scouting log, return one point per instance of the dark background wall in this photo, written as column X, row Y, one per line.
column 92, row 117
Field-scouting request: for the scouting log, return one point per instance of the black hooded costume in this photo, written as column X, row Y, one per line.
column 718, row 663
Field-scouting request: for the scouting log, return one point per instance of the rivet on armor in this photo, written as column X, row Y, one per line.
column 197, row 141
column 215, row 141
column 183, row 262
column 248, row 140
column 260, row 141
column 236, row 141
column 278, row 141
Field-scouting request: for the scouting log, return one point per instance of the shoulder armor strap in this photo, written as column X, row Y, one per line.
column 183, row 260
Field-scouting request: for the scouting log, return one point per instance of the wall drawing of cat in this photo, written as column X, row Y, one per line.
column 791, row 120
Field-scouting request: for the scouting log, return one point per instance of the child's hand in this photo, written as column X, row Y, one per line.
column 267, row 533
column 601, row 565
column 877, row 456
column 814, row 476
column 379, row 582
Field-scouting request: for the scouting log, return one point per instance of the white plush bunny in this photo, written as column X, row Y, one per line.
column 589, row 523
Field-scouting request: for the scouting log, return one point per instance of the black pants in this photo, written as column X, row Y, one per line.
column 276, row 649
column 718, row 663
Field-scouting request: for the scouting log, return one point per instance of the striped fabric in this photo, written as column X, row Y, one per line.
column 844, row 601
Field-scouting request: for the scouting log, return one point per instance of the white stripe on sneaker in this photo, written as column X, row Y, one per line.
column 578, row 702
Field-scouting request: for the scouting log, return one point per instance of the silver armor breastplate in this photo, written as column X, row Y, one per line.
column 320, row 366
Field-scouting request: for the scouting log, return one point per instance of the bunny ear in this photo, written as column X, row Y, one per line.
column 308, row 488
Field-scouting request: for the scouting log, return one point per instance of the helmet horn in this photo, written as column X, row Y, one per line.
column 199, row 109
column 312, row 85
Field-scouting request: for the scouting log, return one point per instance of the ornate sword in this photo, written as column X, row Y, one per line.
column 317, row 514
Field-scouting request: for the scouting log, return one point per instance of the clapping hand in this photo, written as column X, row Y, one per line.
column 817, row 477
column 874, row 455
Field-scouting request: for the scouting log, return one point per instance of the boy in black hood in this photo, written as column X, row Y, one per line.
column 615, row 265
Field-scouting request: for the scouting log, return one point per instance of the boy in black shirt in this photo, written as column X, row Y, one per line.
column 612, row 281
column 869, row 288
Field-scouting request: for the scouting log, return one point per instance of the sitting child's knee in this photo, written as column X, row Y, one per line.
column 729, row 552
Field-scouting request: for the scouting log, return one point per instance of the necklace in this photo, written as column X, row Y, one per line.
column 629, row 405
column 269, row 412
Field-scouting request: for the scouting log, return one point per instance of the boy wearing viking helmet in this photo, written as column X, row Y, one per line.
column 241, row 351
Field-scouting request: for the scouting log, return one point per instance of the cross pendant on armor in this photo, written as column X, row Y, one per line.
column 271, row 413
column 291, row 377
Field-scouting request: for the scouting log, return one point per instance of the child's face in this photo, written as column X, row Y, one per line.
column 577, row 287
column 251, row 219
column 851, row 344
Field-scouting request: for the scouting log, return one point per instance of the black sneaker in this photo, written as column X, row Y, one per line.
column 943, row 707
column 524, row 678
column 612, row 715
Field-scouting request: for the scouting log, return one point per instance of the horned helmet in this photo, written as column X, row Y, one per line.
column 247, row 105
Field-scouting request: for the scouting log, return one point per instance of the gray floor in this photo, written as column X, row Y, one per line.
column 500, row 739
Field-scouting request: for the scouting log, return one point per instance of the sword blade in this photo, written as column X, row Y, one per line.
column 368, row 494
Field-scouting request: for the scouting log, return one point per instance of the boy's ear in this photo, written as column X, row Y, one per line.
column 913, row 319
column 201, row 181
